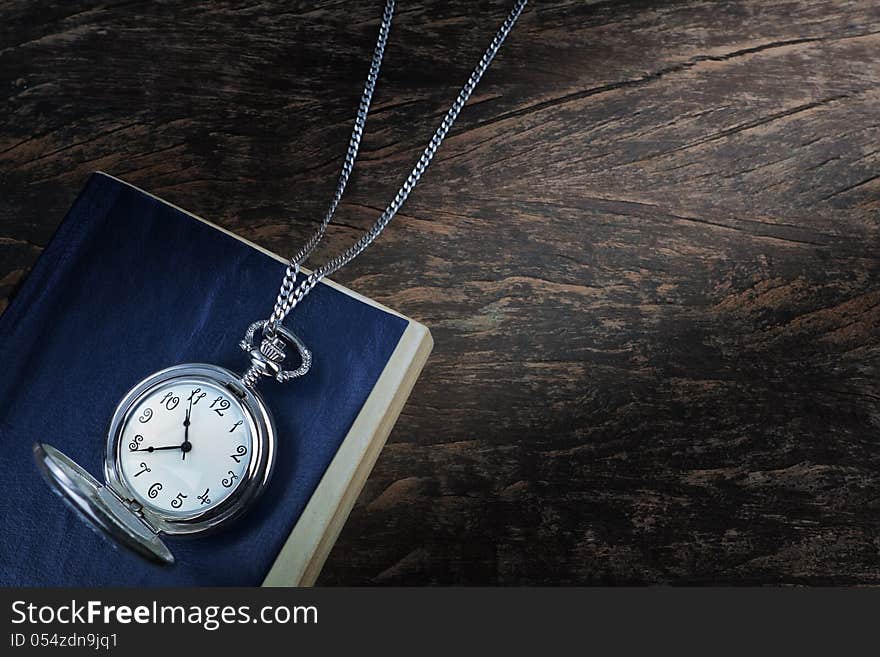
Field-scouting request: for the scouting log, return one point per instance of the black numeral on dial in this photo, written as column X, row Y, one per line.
column 153, row 493
column 227, row 483
column 222, row 405
column 177, row 502
column 143, row 469
column 204, row 499
column 146, row 415
column 240, row 451
column 196, row 395
column 170, row 400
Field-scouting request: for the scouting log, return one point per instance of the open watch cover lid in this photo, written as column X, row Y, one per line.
column 99, row 505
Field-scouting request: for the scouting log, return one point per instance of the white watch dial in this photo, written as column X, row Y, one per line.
column 185, row 447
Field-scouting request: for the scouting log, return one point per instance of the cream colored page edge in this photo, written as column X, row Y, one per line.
column 300, row 560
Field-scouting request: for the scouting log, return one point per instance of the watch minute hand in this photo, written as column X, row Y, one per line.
column 186, row 446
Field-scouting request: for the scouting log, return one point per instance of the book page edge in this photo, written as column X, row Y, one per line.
column 303, row 555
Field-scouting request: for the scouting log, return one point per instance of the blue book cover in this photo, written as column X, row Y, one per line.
column 130, row 285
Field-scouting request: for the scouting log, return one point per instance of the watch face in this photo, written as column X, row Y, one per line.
column 185, row 446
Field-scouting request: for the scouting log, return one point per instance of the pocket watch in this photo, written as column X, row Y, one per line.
column 189, row 448
column 192, row 446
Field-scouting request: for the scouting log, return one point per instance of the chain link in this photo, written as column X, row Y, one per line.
column 291, row 294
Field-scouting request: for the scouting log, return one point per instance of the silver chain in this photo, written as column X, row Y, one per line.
column 291, row 294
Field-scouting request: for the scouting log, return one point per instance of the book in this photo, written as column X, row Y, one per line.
column 130, row 284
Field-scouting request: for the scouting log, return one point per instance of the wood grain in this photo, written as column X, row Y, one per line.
column 647, row 253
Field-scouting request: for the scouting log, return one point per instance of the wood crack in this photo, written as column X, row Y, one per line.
column 849, row 188
column 91, row 139
column 656, row 75
column 742, row 127
column 17, row 240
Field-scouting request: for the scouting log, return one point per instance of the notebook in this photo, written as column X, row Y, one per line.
column 129, row 285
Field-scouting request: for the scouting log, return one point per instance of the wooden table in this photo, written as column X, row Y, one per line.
column 648, row 253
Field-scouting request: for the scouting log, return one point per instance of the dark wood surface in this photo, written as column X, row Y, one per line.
column 648, row 254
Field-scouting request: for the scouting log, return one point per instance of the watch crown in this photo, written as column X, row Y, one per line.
column 273, row 349
column 266, row 360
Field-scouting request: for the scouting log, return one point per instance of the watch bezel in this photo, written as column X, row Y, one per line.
column 254, row 479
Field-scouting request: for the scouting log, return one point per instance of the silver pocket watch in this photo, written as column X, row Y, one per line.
column 189, row 448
